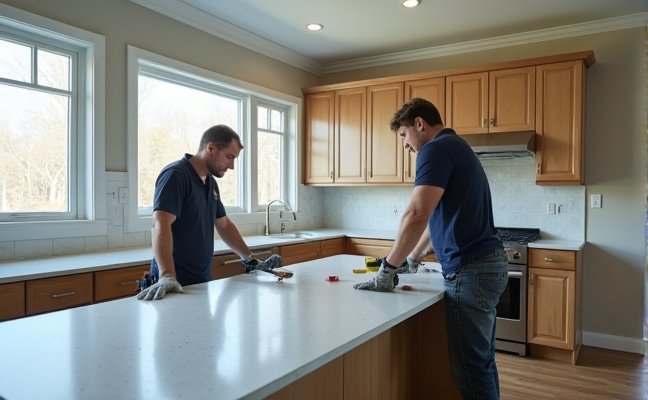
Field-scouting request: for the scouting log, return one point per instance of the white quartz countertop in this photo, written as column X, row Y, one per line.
column 242, row 337
column 64, row 265
column 555, row 244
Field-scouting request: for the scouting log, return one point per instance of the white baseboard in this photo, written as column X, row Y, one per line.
column 611, row 342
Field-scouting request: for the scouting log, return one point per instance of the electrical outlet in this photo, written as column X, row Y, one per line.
column 122, row 195
column 551, row 208
column 596, row 201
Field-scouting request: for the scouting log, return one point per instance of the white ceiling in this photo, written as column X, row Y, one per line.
column 375, row 30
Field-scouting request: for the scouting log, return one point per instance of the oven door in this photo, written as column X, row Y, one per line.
column 512, row 307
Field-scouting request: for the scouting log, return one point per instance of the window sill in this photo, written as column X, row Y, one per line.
column 11, row 231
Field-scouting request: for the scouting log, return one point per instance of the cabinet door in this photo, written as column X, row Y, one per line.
column 12, row 300
column 350, row 135
column 332, row 247
column 433, row 90
column 559, row 123
column 302, row 252
column 551, row 308
column 511, row 105
column 384, row 148
column 116, row 283
column 467, row 103
column 320, row 113
column 52, row 294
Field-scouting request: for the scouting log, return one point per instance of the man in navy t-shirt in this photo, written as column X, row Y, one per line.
column 186, row 208
column 451, row 211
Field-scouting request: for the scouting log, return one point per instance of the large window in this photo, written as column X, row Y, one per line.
column 51, row 129
column 171, row 107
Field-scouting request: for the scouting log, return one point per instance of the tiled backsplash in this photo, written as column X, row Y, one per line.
column 517, row 201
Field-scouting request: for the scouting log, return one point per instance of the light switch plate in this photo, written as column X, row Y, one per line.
column 595, row 201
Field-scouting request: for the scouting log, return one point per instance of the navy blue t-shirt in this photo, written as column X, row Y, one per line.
column 461, row 226
column 196, row 206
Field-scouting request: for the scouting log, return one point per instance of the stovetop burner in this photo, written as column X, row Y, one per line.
column 518, row 235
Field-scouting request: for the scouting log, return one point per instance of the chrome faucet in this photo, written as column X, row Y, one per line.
column 267, row 213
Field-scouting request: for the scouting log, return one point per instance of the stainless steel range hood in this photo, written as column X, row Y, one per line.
column 502, row 144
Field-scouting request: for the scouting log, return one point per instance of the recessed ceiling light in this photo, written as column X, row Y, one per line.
column 314, row 27
column 411, row 3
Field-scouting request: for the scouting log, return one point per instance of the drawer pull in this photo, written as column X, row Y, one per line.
column 551, row 260
column 128, row 283
column 64, row 294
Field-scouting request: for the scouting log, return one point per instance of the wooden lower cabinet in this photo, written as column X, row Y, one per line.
column 408, row 361
column 51, row 294
column 368, row 247
column 117, row 283
column 296, row 253
column 12, row 300
column 332, row 247
column 554, row 306
column 227, row 265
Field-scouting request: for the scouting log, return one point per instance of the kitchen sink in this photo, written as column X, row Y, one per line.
column 293, row 235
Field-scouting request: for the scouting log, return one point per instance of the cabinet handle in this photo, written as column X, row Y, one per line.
column 491, row 121
column 484, row 123
column 128, row 283
column 551, row 260
column 64, row 294
column 531, row 279
column 331, row 174
column 539, row 169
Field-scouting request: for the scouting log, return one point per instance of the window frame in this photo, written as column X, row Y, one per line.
column 89, row 142
column 254, row 94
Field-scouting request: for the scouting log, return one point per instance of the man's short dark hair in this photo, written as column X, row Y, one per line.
column 221, row 136
column 415, row 107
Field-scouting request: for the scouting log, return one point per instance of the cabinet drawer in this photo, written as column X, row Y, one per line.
column 52, row 294
column 116, row 283
column 12, row 300
column 297, row 253
column 332, row 247
column 226, row 266
column 556, row 259
column 369, row 247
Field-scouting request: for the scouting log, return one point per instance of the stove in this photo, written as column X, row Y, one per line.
column 510, row 330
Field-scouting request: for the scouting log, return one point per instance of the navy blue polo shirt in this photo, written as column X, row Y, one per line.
column 196, row 206
column 461, row 226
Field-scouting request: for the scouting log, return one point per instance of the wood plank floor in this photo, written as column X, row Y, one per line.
column 600, row 374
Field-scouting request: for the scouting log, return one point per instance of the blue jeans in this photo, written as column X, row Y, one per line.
column 471, row 296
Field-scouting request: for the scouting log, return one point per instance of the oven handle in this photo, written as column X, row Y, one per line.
column 516, row 274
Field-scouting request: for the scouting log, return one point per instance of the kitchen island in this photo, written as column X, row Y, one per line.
column 247, row 336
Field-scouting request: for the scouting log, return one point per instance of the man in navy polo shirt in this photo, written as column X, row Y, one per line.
column 451, row 204
column 186, row 208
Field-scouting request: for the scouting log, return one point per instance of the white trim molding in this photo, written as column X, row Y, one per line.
column 612, row 342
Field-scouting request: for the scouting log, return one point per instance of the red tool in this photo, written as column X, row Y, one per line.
column 332, row 278
column 407, row 287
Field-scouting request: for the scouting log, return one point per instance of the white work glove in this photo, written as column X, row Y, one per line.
column 410, row 266
column 272, row 262
column 157, row 290
column 385, row 280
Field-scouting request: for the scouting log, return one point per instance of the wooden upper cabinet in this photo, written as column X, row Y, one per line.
column 559, row 123
column 433, row 90
column 467, row 103
column 350, row 135
column 495, row 101
column 384, row 148
column 320, row 111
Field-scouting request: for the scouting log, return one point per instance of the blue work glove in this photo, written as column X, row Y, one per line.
column 385, row 280
column 409, row 266
column 157, row 290
column 272, row 262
